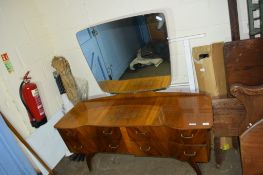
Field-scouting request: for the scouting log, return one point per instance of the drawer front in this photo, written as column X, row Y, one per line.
column 112, row 146
column 190, row 153
column 89, row 139
column 151, row 148
column 147, row 133
column 190, row 136
column 168, row 134
column 93, row 132
column 71, row 139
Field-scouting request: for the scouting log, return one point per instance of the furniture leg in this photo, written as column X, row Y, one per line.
column 88, row 160
column 235, row 143
column 219, row 156
column 195, row 166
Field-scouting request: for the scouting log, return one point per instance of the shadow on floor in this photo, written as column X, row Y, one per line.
column 119, row 164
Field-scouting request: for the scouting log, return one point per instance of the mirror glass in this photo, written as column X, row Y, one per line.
column 128, row 55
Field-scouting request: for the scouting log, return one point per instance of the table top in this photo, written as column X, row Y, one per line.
column 175, row 110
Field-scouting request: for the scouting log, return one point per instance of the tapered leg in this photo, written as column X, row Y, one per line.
column 219, row 155
column 88, row 160
column 235, row 143
column 196, row 168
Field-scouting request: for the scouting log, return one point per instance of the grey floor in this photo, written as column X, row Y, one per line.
column 117, row 164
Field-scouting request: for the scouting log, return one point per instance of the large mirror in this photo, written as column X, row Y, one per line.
column 128, row 55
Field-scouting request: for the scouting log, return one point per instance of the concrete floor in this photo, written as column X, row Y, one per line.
column 118, row 164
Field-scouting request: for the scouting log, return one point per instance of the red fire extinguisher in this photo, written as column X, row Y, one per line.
column 30, row 98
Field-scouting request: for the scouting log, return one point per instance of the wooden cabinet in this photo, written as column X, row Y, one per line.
column 158, row 124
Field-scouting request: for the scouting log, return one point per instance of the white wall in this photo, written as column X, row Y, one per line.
column 24, row 37
column 185, row 17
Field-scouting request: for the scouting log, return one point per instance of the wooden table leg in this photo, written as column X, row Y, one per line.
column 235, row 143
column 219, row 155
column 88, row 160
column 195, row 166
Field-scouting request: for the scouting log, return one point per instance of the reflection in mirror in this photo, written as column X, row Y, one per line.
column 128, row 52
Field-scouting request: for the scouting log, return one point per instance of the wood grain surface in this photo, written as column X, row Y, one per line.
column 251, row 149
column 136, row 84
column 143, row 124
column 228, row 116
column 252, row 98
column 175, row 110
column 244, row 62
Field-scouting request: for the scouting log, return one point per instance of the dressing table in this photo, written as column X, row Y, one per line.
column 162, row 124
column 136, row 119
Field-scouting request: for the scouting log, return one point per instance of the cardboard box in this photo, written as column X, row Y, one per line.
column 210, row 69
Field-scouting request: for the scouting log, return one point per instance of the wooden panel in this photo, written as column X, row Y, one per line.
column 233, row 15
column 175, row 110
column 168, row 134
column 190, row 153
column 136, row 84
column 101, row 132
column 152, row 27
column 228, row 115
column 251, row 150
column 152, row 148
column 112, row 146
column 244, row 62
column 71, row 139
column 252, row 98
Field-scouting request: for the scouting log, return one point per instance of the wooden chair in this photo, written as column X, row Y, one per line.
column 251, row 128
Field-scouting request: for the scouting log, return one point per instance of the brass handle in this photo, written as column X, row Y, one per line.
column 140, row 133
column 113, row 147
column 187, row 137
column 145, row 150
column 190, row 154
column 107, row 133
column 77, row 147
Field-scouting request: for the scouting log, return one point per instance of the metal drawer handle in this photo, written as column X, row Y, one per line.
column 187, row 137
column 77, row 147
column 145, row 150
column 190, row 154
column 107, row 133
column 113, row 147
column 140, row 133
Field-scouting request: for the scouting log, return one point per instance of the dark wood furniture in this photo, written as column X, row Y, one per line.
column 243, row 65
column 251, row 149
column 143, row 124
column 243, row 119
column 244, row 62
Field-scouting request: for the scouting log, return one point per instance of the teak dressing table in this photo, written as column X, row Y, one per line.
column 162, row 124
column 136, row 120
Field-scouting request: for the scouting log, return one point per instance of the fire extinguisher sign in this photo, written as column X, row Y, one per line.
column 7, row 62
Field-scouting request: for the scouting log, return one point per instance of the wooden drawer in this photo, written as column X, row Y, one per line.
column 71, row 139
column 191, row 136
column 168, row 134
column 190, row 153
column 94, row 132
column 112, row 146
column 89, row 139
column 151, row 148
